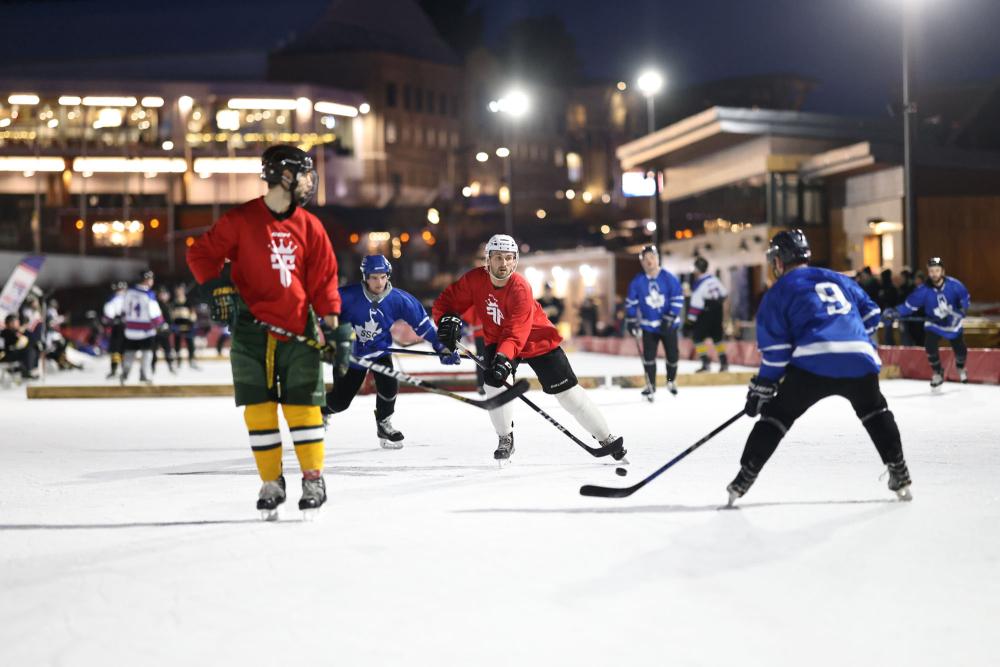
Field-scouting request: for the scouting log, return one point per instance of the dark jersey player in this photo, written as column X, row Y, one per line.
column 813, row 331
column 372, row 307
column 516, row 329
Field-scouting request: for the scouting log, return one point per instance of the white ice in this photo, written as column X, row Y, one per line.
column 128, row 537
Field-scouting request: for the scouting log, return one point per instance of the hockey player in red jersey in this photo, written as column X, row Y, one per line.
column 516, row 329
column 284, row 273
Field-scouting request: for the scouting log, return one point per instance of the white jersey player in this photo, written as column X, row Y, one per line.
column 142, row 318
column 704, row 315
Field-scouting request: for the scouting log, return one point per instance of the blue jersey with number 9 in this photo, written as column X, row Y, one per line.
column 819, row 321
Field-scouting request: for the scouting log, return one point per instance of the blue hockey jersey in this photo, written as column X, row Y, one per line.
column 652, row 297
column 372, row 320
column 944, row 306
column 819, row 321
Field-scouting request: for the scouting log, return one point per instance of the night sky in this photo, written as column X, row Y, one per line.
column 852, row 47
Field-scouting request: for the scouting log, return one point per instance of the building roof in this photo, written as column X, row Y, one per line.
column 719, row 127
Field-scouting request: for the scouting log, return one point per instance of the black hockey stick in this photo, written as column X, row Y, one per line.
column 593, row 451
column 486, row 404
column 612, row 492
column 406, row 350
column 645, row 375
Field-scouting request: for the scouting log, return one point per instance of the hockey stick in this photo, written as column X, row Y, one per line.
column 612, row 492
column 486, row 404
column 645, row 375
column 593, row 451
column 404, row 350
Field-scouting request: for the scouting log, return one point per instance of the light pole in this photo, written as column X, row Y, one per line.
column 514, row 104
column 909, row 109
column 650, row 82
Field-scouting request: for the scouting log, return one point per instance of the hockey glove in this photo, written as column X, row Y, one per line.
column 447, row 357
column 449, row 331
column 338, row 349
column 500, row 369
column 668, row 323
column 221, row 297
column 632, row 326
column 759, row 393
column 890, row 314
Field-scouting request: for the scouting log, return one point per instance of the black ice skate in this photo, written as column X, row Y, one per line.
column 741, row 484
column 963, row 377
column 649, row 394
column 723, row 363
column 389, row 437
column 313, row 497
column 706, row 366
column 271, row 495
column 672, row 387
column 937, row 379
column 617, row 446
column 504, row 448
column 899, row 480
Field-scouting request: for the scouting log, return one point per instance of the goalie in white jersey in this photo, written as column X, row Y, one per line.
column 704, row 315
column 142, row 318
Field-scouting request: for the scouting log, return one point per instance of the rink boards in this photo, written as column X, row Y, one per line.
column 450, row 381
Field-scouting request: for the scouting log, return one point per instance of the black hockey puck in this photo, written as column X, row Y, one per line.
column 621, row 472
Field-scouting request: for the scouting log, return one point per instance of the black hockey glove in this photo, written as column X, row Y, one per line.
column 221, row 297
column 446, row 356
column 339, row 345
column 500, row 369
column 890, row 314
column 759, row 393
column 632, row 326
column 450, row 331
column 668, row 323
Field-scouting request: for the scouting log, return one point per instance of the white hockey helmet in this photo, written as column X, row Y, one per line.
column 501, row 243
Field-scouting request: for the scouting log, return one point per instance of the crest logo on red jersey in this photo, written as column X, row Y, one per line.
column 493, row 310
column 283, row 259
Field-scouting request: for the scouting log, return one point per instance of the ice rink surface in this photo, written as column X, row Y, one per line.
column 128, row 536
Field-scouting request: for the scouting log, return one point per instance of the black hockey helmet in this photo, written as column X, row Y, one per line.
column 791, row 247
column 701, row 264
column 935, row 261
column 118, row 285
column 648, row 248
column 146, row 274
column 276, row 160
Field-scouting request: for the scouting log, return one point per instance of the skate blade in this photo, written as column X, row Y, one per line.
column 502, row 463
column 389, row 444
column 311, row 514
column 904, row 494
column 269, row 515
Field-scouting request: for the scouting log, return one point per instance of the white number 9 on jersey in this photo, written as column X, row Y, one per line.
column 831, row 294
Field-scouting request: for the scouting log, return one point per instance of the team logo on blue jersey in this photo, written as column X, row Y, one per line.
column 655, row 298
column 943, row 310
column 367, row 332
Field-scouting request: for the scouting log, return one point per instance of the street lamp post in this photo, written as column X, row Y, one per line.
column 909, row 109
column 514, row 104
column 649, row 83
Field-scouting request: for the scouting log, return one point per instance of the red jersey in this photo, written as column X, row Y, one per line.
column 511, row 318
column 280, row 267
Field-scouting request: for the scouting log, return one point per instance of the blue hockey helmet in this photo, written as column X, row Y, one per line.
column 791, row 247
column 375, row 264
